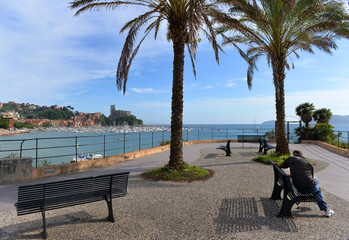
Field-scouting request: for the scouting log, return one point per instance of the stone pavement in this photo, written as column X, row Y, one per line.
column 233, row 204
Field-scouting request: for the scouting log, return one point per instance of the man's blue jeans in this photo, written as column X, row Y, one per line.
column 316, row 189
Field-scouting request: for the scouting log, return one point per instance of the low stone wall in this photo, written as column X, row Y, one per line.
column 15, row 169
column 41, row 172
column 341, row 151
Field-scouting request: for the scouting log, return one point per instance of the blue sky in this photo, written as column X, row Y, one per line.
column 48, row 56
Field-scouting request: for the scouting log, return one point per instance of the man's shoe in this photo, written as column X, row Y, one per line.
column 329, row 212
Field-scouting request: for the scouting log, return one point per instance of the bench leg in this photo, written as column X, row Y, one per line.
column 260, row 149
column 265, row 151
column 286, row 207
column 227, row 152
column 110, row 209
column 44, row 234
column 276, row 195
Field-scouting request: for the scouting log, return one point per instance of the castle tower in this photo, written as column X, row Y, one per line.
column 112, row 109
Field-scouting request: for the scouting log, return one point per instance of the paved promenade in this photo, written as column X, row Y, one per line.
column 233, row 204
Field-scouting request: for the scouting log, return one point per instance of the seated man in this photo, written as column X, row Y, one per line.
column 302, row 174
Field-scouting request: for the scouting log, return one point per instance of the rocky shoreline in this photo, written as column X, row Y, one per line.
column 5, row 132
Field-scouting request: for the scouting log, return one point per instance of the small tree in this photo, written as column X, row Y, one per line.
column 322, row 115
column 4, row 123
column 305, row 112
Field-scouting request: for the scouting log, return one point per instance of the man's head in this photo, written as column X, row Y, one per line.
column 297, row 153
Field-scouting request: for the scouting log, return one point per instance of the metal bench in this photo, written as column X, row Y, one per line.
column 261, row 144
column 291, row 195
column 225, row 148
column 54, row 195
column 249, row 138
column 266, row 146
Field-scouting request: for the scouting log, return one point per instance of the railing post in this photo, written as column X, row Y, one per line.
column 163, row 139
column 227, row 134
column 20, row 152
column 76, row 148
column 198, row 134
column 103, row 145
column 124, row 143
column 300, row 131
column 36, row 152
column 139, row 141
column 243, row 138
column 212, row 133
column 152, row 139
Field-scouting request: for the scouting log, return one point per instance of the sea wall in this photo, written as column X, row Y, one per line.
column 15, row 169
column 42, row 172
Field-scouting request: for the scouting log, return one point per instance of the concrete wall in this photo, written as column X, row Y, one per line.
column 15, row 169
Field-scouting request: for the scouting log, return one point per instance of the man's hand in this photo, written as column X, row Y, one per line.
column 277, row 164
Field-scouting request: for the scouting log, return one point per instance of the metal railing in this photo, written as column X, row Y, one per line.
column 341, row 139
column 58, row 150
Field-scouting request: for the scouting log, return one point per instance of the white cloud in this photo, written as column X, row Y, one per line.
column 142, row 90
column 207, row 87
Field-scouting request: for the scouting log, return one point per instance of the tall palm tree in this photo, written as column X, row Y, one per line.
column 305, row 112
column 185, row 19
column 278, row 29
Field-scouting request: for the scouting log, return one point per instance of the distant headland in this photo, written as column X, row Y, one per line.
column 336, row 119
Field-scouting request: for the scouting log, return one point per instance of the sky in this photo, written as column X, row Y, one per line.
column 49, row 56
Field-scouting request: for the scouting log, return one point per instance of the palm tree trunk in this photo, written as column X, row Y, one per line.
column 279, row 79
column 176, row 148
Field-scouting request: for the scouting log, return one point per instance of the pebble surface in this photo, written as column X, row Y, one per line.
column 233, row 204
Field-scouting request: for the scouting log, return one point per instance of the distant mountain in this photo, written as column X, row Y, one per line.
column 340, row 119
column 334, row 120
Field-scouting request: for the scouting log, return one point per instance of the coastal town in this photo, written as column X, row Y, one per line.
column 78, row 122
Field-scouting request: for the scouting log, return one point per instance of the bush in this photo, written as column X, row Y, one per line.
column 4, row 123
column 273, row 156
column 163, row 143
column 188, row 173
column 22, row 125
column 270, row 135
column 321, row 131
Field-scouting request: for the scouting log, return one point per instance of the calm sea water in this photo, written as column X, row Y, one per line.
column 62, row 147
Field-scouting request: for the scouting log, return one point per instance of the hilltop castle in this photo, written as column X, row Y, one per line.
column 118, row 113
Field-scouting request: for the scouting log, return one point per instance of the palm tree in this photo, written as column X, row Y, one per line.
column 322, row 115
column 185, row 19
column 305, row 112
column 278, row 29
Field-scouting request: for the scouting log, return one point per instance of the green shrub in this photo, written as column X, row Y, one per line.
column 4, row 123
column 270, row 135
column 163, row 143
column 321, row 131
column 274, row 157
column 271, row 156
column 20, row 125
column 188, row 173
column 12, row 155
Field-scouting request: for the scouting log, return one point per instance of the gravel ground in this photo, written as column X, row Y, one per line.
column 233, row 204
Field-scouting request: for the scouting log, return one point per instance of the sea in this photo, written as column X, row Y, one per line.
column 57, row 146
